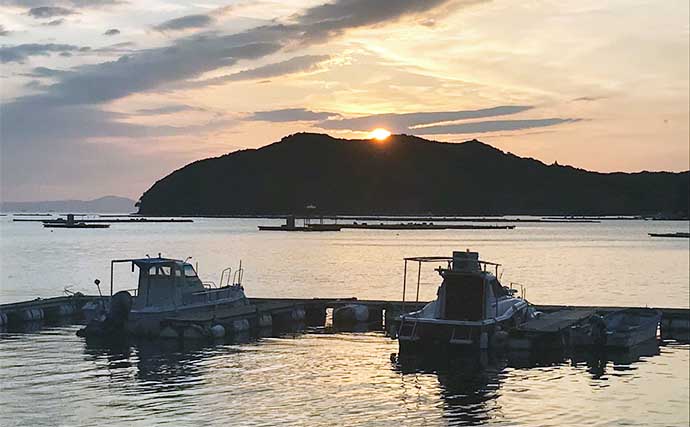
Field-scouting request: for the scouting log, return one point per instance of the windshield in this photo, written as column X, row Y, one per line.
column 189, row 271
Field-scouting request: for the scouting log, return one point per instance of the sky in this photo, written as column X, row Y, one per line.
column 104, row 97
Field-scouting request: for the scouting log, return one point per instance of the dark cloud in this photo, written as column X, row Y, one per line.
column 20, row 53
column 403, row 123
column 3, row 30
column 331, row 19
column 185, row 23
column 291, row 115
column 54, row 22
column 305, row 63
column 45, row 12
column 111, row 32
column 146, row 70
column 168, row 109
column 490, row 126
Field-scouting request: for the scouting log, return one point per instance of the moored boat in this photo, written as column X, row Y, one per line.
column 622, row 329
column 472, row 307
column 167, row 288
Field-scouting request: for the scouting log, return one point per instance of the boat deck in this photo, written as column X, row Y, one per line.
column 556, row 321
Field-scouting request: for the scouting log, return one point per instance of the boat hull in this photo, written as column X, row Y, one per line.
column 424, row 336
column 149, row 324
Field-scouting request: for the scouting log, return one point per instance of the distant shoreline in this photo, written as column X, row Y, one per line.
column 517, row 218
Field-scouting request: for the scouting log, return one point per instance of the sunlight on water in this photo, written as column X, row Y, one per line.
column 325, row 379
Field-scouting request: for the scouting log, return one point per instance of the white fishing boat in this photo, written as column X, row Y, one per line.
column 167, row 288
column 472, row 308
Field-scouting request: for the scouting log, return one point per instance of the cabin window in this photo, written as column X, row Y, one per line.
column 499, row 291
column 164, row 270
column 189, row 271
column 152, row 271
column 178, row 272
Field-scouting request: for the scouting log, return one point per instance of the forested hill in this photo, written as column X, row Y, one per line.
column 404, row 175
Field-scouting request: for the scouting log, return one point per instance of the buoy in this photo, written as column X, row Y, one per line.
column 240, row 325
column 298, row 314
column 32, row 314
column 66, row 310
column 265, row 320
column 194, row 332
column 350, row 314
column 483, row 341
column 218, row 331
column 169, row 332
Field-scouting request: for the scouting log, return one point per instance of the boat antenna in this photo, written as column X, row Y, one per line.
column 187, row 259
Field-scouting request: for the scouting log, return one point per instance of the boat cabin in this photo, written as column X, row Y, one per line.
column 469, row 291
column 167, row 282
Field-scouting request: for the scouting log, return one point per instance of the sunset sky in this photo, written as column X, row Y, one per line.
column 106, row 96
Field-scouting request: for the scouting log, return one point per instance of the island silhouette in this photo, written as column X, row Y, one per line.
column 404, row 175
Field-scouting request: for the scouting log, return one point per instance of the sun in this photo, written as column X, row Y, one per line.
column 379, row 134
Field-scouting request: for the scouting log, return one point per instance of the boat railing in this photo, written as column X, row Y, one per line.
column 207, row 295
column 523, row 289
column 237, row 277
column 225, row 277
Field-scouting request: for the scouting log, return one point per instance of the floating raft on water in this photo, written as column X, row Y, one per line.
column 74, row 225
column 678, row 234
column 109, row 221
column 307, row 228
column 426, row 226
column 71, row 223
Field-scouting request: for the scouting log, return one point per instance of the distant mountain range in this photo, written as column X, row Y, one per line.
column 107, row 204
column 404, row 175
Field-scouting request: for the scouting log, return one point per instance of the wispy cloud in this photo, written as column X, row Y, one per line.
column 401, row 123
column 20, row 53
column 167, row 109
column 299, row 64
column 184, row 23
column 75, row 4
column 40, row 72
column 291, row 115
column 45, row 12
column 490, row 126
column 54, row 22
column 4, row 31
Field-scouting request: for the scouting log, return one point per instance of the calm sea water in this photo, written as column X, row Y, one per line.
column 51, row 377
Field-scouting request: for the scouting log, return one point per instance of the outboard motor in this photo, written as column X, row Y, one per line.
column 115, row 322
